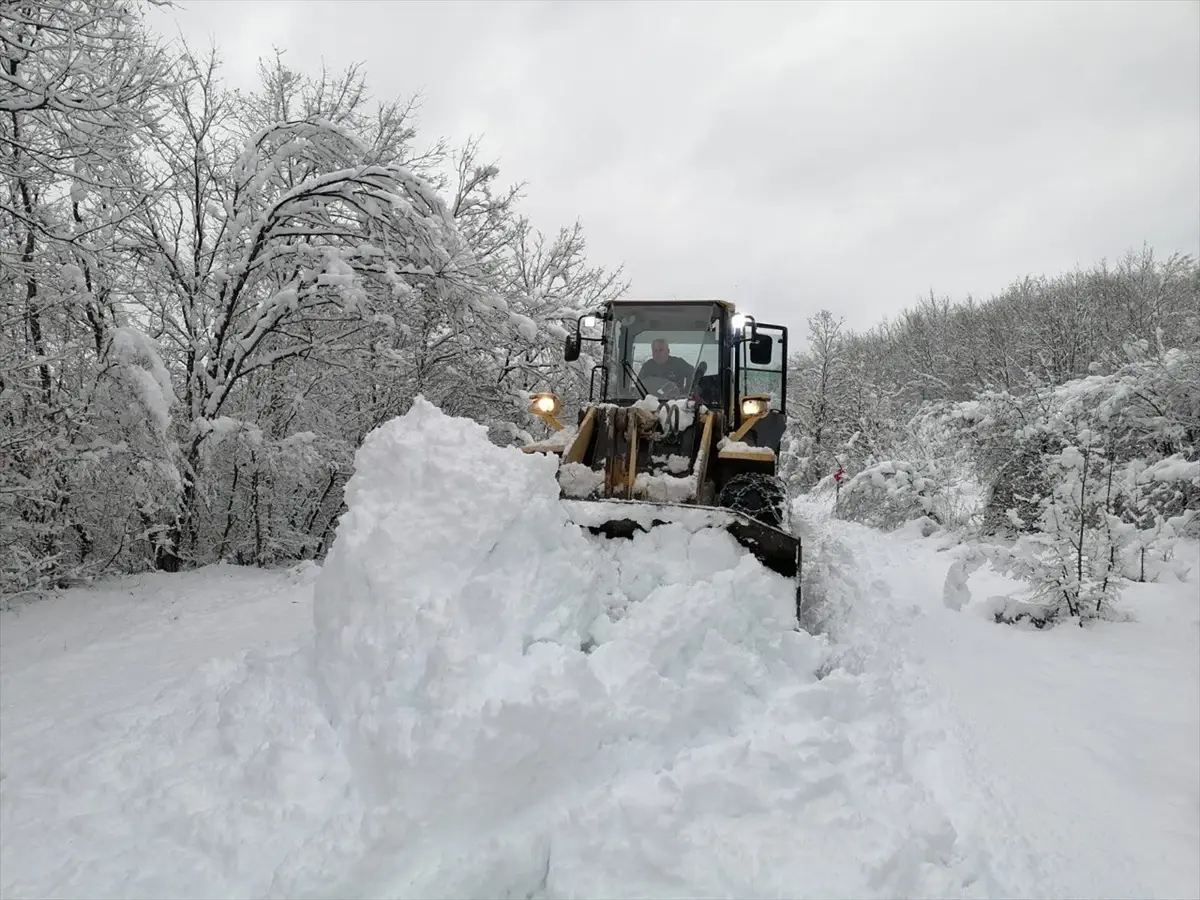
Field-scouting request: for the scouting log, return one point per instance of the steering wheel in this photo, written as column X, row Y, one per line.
column 662, row 388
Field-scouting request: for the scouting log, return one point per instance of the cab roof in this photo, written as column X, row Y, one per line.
column 701, row 301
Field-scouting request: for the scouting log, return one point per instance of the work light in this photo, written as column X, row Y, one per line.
column 546, row 404
column 753, row 406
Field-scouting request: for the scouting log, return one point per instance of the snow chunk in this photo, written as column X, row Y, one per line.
column 72, row 278
column 525, row 326
column 1174, row 468
column 677, row 464
column 578, row 480
column 676, row 414
column 219, row 429
column 649, row 403
column 558, row 441
column 138, row 353
column 665, row 488
column 742, row 447
column 338, row 273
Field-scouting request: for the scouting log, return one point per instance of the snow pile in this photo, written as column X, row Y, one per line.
column 486, row 663
column 453, row 560
column 558, row 441
column 665, row 488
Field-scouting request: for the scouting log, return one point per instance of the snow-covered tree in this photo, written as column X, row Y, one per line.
column 817, row 386
column 79, row 86
column 293, row 243
column 217, row 294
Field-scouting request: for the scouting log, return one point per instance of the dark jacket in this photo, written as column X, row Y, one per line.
column 674, row 369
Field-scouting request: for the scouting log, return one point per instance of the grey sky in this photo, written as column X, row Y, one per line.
column 791, row 156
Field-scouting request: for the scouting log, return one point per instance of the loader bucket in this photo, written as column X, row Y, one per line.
column 777, row 550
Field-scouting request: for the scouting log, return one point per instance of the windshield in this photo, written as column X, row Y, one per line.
column 662, row 346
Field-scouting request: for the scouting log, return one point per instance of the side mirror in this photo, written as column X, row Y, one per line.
column 745, row 328
column 571, row 349
column 761, row 349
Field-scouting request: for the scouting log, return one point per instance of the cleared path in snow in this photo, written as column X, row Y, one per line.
column 1070, row 757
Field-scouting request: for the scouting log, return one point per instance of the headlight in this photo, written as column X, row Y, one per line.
column 587, row 321
column 738, row 321
column 547, row 404
column 752, row 407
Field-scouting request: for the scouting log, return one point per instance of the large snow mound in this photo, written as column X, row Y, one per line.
column 481, row 656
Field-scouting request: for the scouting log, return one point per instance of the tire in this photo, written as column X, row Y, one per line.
column 762, row 497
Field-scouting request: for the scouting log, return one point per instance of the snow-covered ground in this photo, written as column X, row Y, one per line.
column 1070, row 758
column 472, row 699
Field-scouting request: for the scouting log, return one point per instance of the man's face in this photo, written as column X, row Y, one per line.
column 660, row 350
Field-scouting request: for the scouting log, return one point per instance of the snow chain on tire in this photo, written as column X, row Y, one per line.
column 762, row 497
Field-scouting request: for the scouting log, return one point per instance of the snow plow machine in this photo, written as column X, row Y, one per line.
column 685, row 415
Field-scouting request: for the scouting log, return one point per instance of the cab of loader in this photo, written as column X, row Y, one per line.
column 732, row 357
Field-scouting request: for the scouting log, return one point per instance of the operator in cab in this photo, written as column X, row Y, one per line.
column 664, row 366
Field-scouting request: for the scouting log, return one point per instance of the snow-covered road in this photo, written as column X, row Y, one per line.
column 544, row 715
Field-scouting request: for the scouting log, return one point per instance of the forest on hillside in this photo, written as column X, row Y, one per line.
column 855, row 396
column 210, row 296
column 1059, row 421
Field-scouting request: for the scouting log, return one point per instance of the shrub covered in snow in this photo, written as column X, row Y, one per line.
column 267, row 500
column 888, row 494
column 96, row 495
column 1096, row 478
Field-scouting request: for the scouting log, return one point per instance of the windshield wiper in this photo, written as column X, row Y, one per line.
column 637, row 381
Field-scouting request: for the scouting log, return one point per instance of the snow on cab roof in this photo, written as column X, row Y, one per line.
column 627, row 301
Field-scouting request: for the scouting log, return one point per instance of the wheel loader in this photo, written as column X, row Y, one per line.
column 685, row 414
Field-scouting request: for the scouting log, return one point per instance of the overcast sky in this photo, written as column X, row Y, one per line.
column 793, row 155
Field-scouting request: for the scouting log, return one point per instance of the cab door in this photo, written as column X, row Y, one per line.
column 762, row 369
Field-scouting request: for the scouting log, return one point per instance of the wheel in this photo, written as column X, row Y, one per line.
column 762, row 497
